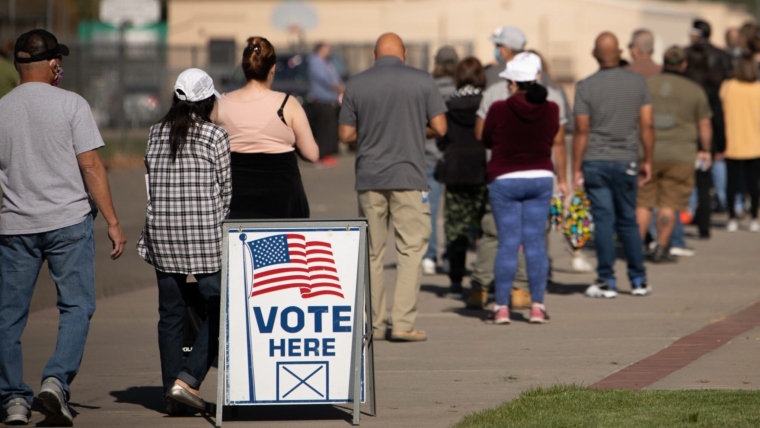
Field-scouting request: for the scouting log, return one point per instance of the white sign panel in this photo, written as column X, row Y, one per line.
column 290, row 309
column 137, row 12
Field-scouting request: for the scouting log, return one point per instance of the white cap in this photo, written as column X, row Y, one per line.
column 194, row 85
column 523, row 69
column 530, row 56
column 508, row 36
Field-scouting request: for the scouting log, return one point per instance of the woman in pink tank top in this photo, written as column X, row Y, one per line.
column 266, row 130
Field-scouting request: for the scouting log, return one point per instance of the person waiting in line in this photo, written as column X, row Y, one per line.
column 741, row 106
column 325, row 90
column 681, row 115
column 189, row 189
column 521, row 132
column 463, row 169
column 443, row 74
column 267, row 129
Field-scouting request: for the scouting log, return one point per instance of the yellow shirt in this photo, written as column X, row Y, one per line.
column 741, row 109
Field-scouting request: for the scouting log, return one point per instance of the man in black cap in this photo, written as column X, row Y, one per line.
column 48, row 164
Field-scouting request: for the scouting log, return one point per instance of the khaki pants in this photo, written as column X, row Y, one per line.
column 488, row 244
column 411, row 220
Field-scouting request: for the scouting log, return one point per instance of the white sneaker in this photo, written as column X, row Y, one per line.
column 602, row 290
column 754, row 226
column 428, row 266
column 682, row 252
column 732, row 226
column 582, row 265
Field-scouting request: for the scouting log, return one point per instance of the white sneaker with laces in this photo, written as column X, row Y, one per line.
column 601, row 290
column 754, row 226
column 428, row 266
column 580, row 264
column 732, row 226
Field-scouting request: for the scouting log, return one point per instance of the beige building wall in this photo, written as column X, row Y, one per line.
column 563, row 30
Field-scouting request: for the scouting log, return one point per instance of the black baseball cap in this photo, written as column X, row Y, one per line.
column 40, row 45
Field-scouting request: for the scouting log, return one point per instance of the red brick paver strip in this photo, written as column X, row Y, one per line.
column 682, row 352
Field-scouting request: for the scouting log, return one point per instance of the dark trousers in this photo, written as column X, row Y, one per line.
column 171, row 311
column 704, row 209
column 323, row 119
column 751, row 168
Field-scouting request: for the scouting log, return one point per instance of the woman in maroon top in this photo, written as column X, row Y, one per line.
column 521, row 132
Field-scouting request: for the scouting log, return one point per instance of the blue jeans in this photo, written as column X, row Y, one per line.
column 171, row 311
column 70, row 253
column 520, row 207
column 434, row 198
column 612, row 187
column 720, row 181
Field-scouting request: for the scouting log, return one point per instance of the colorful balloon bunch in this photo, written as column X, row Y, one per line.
column 557, row 212
column 578, row 222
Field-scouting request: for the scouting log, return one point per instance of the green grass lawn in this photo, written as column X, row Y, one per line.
column 574, row 406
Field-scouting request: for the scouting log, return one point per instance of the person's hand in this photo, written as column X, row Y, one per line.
column 720, row 156
column 706, row 160
column 645, row 173
column 578, row 180
column 119, row 240
column 562, row 188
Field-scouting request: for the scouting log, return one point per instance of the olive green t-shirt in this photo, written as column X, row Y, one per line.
column 679, row 104
column 8, row 76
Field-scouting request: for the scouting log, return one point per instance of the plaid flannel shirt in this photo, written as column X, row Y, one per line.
column 188, row 200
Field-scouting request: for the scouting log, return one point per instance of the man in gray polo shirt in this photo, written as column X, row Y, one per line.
column 613, row 114
column 389, row 111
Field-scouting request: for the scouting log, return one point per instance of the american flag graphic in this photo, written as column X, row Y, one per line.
column 290, row 261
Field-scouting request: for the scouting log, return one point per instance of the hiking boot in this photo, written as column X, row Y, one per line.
column 478, row 298
column 520, row 299
column 17, row 412
column 640, row 288
column 54, row 404
column 408, row 336
column 662, row 255
column 500, row 315
column 538, row 315
column 602, row 289
column 455, row 291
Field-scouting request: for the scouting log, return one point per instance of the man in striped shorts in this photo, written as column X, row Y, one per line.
column 613, row 113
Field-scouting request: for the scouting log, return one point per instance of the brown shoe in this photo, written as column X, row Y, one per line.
column 478, row 299
column 520, row 299
column 408, row 336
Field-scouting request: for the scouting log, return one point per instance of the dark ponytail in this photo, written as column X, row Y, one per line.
column 534, row 92
column 182, row 116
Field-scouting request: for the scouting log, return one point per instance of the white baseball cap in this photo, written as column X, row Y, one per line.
column 511, row 37
column 530, row 56
column 524, row 69
column 194, row 85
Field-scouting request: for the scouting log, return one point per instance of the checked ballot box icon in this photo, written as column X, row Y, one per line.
column 303, row 381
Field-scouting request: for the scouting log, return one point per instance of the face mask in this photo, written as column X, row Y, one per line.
column 58, row 77
column 497, row 55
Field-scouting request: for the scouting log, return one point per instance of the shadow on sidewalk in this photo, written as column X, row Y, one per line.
column 283, row 413
column 565, row 289
column 149, row 397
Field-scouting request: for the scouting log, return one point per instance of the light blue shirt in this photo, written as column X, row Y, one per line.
column 322, row 78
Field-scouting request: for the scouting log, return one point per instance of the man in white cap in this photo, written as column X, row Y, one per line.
column 509, row 41
column 482, row 274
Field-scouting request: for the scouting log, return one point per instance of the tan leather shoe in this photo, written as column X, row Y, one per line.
column 520, row 299
column 408, row 336
column 477, row 299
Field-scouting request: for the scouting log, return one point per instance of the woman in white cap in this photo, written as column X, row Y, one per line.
column 266, row 129
column 521, row 133
column 189, row 192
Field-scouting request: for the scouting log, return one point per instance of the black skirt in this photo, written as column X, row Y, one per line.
column 267, row 186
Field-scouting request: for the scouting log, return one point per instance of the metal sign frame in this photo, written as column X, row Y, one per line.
column 362, row 306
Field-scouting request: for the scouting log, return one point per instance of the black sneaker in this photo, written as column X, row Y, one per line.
column 662, row 255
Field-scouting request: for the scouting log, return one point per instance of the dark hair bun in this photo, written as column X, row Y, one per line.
column 258, row 59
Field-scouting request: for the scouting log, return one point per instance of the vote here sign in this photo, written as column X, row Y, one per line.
column 290, row 314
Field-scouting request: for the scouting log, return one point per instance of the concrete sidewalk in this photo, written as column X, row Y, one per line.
column 465, row 366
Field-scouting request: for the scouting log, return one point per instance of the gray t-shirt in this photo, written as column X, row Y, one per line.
column 447, row 88
column 43, row 130
column 612, row 98
column 390, row 105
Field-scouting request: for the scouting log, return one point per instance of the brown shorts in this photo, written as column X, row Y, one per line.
column 670, row 186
